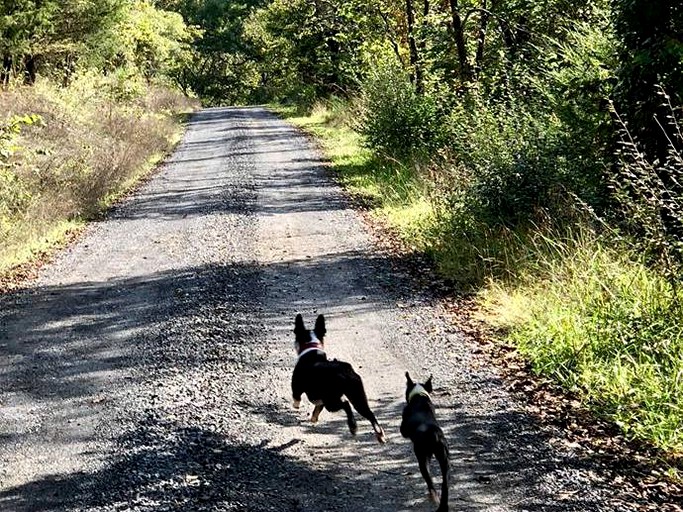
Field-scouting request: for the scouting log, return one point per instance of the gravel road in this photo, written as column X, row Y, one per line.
column 148, row 368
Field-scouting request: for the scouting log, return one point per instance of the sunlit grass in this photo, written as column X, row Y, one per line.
column 604, row 325
column 26, row 242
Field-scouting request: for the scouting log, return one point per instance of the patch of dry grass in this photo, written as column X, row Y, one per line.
column 94, row 140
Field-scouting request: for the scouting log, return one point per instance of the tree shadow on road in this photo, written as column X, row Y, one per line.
column 200, row 316
column 177, row 468
column 498, row 461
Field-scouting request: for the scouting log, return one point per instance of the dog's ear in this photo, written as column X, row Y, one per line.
column 319, row 328
column 428, row 385
column 299, row 324
column 409, row 381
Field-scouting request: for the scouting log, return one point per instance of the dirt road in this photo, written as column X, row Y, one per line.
column 148, row 368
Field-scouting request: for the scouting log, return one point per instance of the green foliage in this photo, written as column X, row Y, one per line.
column 14, row 193
column 394, row 119
column 24, row 24
column 9, row 133
column 59, row 39
column 51, row 34
column 220, row 66
column 148, row 40
column 512, row 158
column 577, row 79
column 308, row 49
column 605, row 326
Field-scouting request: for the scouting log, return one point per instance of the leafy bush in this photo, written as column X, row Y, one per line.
column 395, row 120
column 522, row 160
column 513, row 164
column 506, row 173
column 577, row 79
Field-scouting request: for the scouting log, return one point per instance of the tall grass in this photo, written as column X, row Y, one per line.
column 93, row 141
column 598, row 320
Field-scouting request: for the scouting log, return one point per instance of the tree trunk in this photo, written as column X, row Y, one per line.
column 30, row 69
column 416, row 74
column 459, row 35
column 69, row 69
column 422, row 48
column 6, row 72
column 481, row 39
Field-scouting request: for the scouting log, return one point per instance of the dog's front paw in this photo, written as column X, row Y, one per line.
column 296, row 403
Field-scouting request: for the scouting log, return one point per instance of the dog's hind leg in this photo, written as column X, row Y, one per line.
column 423, row 460
column 339, row 404
column 353, row 426
column 441, row 454
column 360, row 403
column 297, row 387
column 316, row 413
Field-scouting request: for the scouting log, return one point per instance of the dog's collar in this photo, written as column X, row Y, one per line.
column 417, row 390
column 314, row 344
column 311, row 349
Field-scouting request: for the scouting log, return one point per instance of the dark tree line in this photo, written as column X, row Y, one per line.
column 256, row 50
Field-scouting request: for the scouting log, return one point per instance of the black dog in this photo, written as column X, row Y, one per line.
column 420, row 425
column 326, row 382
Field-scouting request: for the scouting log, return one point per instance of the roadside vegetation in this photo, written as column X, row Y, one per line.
column 541, row 171
column 86, row 109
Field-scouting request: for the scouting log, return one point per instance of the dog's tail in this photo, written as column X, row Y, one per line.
column 355, row 392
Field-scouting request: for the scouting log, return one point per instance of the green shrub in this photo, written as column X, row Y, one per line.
column 576, row 81
column 395, row 120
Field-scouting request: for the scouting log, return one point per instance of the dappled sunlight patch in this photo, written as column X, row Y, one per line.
column 412, row 221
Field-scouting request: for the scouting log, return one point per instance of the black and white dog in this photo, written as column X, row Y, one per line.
column 326, row 382
column 420, row 425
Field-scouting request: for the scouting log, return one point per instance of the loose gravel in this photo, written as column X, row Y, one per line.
column 148, row 368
